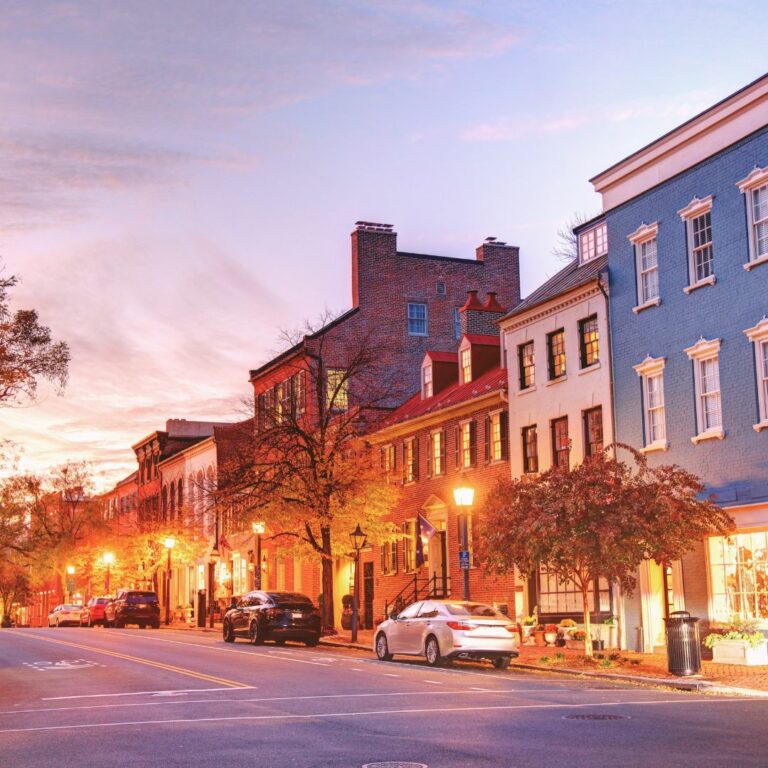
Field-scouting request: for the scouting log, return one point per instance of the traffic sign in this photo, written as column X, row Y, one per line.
column 464, row 560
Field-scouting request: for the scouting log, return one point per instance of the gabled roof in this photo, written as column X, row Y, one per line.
column 482, row 340
column 572, row 276
column 491, row 381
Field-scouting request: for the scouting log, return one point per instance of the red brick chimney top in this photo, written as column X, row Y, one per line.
column 491, row 304
column 472, row 302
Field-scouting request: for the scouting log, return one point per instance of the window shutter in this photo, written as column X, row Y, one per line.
column 415, row 458
column 457, row 447
column 430, row 448
column 382, row 458
column 473, row 443
column 404, row 462
column 487, row 439
column 443, row 468
column 504, row 427
column 383, row 559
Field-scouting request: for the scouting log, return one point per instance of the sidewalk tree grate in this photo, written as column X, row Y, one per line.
column 596, row 717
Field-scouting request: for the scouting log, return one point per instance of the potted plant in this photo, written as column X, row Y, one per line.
column 528, row 624
column 550, row 634
column 610, row 627
column 738, row 642
column 538, row 635
column 346, row 612
column 575, row 639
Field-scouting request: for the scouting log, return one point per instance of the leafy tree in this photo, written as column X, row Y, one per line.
column 303, row 466
column 600, row 519
column 27, row 352
column 15, row 585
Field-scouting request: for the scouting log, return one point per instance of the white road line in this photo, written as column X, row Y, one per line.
column 356, row 669
column 390, row 674
column 377, row 713
column 136, row 693
column 432, row 682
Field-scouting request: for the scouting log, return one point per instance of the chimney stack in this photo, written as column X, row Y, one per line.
column 480, row 319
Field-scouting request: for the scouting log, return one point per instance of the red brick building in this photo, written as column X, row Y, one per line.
column 453, row 433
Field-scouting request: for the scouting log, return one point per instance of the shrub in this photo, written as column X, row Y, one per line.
column 736, row 629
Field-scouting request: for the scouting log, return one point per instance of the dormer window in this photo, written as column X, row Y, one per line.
column 426, row 382
column 593, row 242
column 466, row 365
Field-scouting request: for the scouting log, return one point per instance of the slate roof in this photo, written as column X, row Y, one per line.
column 568, row 278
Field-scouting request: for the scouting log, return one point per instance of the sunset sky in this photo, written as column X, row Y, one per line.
column 178, row 180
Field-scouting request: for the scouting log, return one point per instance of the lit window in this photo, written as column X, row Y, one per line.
column 417, row 319
column 426, row 381
column 709, row 419
column 526, row 365
column 530, row 450
column 556, row 353
column 496, row 438
column 436, row 455
column 593, row 242
column 589, row 342
column 593, row 431
column 388, row 458
column 651, row 371
column 561, row 445
column 410, row 460
column 337, row 390
column 647, row 264
column 466, row 437
column 466, row 365
column 759, row 337
column 755, row 189
column 389, row 558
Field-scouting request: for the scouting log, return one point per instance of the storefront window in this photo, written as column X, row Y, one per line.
column 556, row 596
column 739, row 573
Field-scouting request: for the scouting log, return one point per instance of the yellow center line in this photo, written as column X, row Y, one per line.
column 149, row 663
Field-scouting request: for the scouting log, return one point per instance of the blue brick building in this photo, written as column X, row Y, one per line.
column 687, row 220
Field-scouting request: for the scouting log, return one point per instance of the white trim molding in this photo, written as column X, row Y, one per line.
column 696, row 207
column 644, row 232
column 758, row 336
column 650, row 366
column 756, row 178
column 703, row 349
column 711, row 280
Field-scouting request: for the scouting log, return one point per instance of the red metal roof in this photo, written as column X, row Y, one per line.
column 491, row 381
column 482, row 341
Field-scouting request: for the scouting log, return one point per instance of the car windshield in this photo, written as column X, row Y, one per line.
column 141, row 597
column 101, row 601
column 288, row 598
column 474, row 609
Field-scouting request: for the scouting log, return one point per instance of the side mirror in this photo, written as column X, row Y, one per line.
column 393, row 615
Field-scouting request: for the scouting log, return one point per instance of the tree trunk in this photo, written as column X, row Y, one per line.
column 327, row 581
column 587, row 626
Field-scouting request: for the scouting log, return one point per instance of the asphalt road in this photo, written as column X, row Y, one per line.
column 96, row 697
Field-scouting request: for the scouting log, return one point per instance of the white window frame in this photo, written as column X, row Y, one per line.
column 437, row 452
column 427, row 385
column 642, row 236
column 690, row 214
column 412, row 318
column 758, row 335
column 702, row 352
column 465, row 363
column 652, row 368
column 754, row 182
column 593, row 242
column 495, row 439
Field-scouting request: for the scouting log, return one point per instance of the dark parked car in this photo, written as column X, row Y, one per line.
column 277, row 616
column 132, row 606
column 93, row 612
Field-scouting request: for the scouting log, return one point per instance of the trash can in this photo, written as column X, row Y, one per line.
column 683, row 646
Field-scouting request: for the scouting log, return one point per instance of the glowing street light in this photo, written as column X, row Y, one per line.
column 108, row 558
column 258, row 529
column 464, row 497
column 359, row 540
column 169, row 544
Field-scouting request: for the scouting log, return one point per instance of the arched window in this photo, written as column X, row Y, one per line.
column 172, row 501
column 180, row 497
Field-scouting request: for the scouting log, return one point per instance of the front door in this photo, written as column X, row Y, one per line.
column 438, row 565
column 368, row 595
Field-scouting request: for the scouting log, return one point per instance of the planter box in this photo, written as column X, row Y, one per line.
column 740, row 652
column 574, row 645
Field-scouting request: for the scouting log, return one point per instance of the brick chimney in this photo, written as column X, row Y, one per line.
column 480, row 318
column 495, row 250
column 372, row 245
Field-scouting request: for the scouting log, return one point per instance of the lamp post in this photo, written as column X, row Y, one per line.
column 359, row 540
column 169, row 543
column 108, row 559
column 463, row 497
column 212, row 560
column 258, row 529
column 70, row 581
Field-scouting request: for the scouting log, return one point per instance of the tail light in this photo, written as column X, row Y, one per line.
column 273, row 613
column 460, row 625
column 511, row 628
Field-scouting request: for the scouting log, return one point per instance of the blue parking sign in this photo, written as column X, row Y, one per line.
column 464, row 560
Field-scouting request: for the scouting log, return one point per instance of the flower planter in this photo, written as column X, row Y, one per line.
column 740, row 652
column 550, row 638
column 574, row 645
column 538, row 638
column 527, row 636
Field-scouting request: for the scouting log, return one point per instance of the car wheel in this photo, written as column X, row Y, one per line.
column 58, row 624
column 312, row 643
column 382, row 648
column 118, row 624
column 156, row 625
column 254, row 634
column 432, row 652
column 502, row 662
column 229, row 633
column 279, row 642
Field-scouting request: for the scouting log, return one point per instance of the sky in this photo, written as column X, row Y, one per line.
column 178, row 180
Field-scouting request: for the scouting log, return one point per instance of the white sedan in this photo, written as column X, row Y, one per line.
column 65, row 614
column 442, row 630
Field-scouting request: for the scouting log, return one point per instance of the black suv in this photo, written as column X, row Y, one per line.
column 278, row 616
column 131, row 606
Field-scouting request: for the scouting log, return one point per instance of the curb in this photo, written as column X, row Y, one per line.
column 354, row 646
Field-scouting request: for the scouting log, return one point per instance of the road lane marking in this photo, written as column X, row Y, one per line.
column 390, row 674
column 432, row 682
column 134, row 693
column 148, row 662
column 327, row 715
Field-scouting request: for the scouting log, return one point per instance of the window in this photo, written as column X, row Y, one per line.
column 561, row 446
column 755, row 190
column 593, row 242
column 697, row 218
column 556, row 596
column 589, row 343
column 336, row 390
column 759, row 337
column 269, row 408
column 389, row 558
column 440, row 288
column 530, row 450
column 466, row 440
column 410, row 460
column 417, row 319
column 593, row 431
column 426, row 382
column 466, row 365
column 526, row 365
column 298, row 394
column 436, row 454
column 709, row 421
column 283, row 402
column 556, row 354
column 739, row 576
column 409, row 546
column 496, row 438
column 651, row 373
column 646, row 264
column 457, row 322
column 388, row 458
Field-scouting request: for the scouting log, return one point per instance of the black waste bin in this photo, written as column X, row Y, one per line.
column 683, row 646
column 201, row 608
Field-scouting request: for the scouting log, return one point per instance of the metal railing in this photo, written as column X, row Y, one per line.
column 434, row 587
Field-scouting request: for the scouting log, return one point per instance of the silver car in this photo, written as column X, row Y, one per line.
column 65, row 614
column 442, row 630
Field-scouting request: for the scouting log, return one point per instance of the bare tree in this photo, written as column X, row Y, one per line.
column 567, row 244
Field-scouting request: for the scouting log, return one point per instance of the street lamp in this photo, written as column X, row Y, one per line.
column 108, row 559
column 258, row 529
column 359, row 540
column 212, row 560
column 464, row 496
column 169, row 543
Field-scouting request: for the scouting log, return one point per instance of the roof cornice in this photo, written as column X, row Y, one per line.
column 551, row 307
